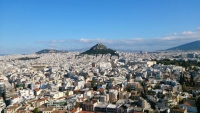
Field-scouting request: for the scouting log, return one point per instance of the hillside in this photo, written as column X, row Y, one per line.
column 188, row 46
column 100, row 49
column 50, row 51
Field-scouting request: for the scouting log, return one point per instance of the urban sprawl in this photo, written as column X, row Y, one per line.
column 155, row 82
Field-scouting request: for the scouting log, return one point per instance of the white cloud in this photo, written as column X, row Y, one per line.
column 149, row 44
column 168, row 41
column 53, row 41
column 168, row 38
column 95, row 40
column 84, row 40
column 188, row 33
column 198, row 29
column 61, row 41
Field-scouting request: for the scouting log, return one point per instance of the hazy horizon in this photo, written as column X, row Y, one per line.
column 33, row 25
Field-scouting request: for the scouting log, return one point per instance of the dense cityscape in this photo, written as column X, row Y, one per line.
column 99, row 56
column 70, row 82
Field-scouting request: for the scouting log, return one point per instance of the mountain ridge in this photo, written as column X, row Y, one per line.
column 50, row 51
column 195, row 45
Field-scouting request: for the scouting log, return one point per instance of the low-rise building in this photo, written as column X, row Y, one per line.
column 88, row 105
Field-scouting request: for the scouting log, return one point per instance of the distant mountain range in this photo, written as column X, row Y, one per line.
column 188, row 46
column 100, row 49
column 3, row 54
column 51, row 51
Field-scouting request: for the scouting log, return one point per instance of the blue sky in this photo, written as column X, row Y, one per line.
column 27, row 26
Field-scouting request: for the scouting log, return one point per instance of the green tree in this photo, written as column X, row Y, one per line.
column 185, row 88
column 191, row 80
column 197, row 103
column 181, row 80
column 36, row 110
column 93, row 83
column 128, row 89
column 176, row 63
column 67, row 93
column 78, row 104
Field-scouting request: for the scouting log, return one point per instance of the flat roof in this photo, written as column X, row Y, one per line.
column 111, row 106
column 102, row 105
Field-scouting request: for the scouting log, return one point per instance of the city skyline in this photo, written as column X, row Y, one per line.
column 29, row 26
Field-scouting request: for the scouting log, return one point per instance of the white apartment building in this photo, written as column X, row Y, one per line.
column 113, row 95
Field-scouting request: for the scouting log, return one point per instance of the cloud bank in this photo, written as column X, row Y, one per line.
column 130, row 44
column 146, row 44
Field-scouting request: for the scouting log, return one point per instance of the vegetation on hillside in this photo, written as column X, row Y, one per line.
column 50, row 51
column 100, row 51
column 186, row 64
column 28, row 58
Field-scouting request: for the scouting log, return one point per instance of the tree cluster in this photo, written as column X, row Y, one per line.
column 28, row 58
column 197, row 103
column 186, row 82
column 186, row 64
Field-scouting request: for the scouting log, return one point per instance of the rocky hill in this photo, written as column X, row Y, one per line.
column 100, row 49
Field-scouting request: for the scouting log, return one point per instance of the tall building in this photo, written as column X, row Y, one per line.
column 113, row 95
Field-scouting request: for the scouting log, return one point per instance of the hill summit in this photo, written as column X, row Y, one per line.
column 99, row 46
column 100, row 49
column 188, row 46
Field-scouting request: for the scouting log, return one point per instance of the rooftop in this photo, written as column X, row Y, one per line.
column 111, row 106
